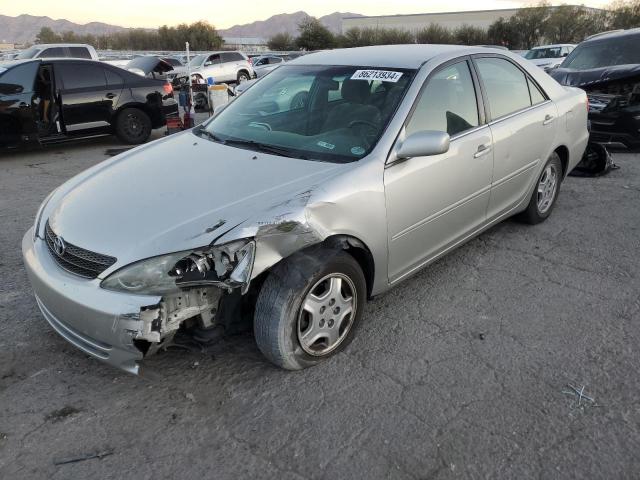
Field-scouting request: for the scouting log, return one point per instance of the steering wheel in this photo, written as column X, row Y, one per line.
column 363, row 122
column 362, row 133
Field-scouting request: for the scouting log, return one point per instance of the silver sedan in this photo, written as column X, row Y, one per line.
column 327, row 182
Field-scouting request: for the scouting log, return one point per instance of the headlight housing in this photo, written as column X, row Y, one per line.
column 228, row 266
column 36, row 225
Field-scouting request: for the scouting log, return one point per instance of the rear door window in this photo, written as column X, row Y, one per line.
column 113, row 78
column 53, row 52
column 536, row 95
column 79, row 52
column 448, row 102
column 75, row 75
column 19, row 79
column 505, row 84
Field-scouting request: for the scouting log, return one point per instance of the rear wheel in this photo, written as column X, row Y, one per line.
column 133, row 126
column 546, row 192
column 242, row 76
column 309, row 307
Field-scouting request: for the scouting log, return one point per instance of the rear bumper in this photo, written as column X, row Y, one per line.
column 99, row 322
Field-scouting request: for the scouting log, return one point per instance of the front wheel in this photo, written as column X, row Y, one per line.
column 309, row 307
column 133, row 126
column 545, row 193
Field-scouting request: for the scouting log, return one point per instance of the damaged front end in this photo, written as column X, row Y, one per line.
column 192, row 285
column 614, row 102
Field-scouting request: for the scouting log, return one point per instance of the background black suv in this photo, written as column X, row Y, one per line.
column 50, row 100
column 607, row 67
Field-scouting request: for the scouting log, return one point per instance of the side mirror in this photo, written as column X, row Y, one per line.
column 10, row 89
column 208, row 63
column 423, row 144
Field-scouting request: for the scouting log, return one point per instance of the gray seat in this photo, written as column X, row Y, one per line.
column 356, row 107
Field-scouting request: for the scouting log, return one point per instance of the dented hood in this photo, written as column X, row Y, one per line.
column 175, row 194
column 594, row 76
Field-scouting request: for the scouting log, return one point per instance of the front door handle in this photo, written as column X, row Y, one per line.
column 548, row 119
column 482, row 150
column 110, row 95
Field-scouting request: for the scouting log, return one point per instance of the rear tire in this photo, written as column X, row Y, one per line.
column 309, row 308
column 545, row 193
column 242, row 77
column 133, row 126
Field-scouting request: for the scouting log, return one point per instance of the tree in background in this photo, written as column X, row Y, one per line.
column 314, row 36
column 46, row 35
column 505, row 33
column 568, row 24
column 530, row 22
column 470, row 35
column 434, row 33
column 625, row 14
column 282, row 42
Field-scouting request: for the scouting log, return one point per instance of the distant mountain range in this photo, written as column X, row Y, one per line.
column 24, row 28
column 285, row 22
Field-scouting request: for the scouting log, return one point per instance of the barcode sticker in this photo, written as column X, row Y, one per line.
column 382, row 75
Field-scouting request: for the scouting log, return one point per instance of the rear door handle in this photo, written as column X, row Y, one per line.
column 110, row 95
column 548, row 119
column 482, row 150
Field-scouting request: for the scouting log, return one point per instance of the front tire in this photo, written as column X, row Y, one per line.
column 309, row 308
column 133, row 126
column 546, row 192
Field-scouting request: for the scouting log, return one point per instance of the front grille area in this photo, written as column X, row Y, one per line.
column 77, row 260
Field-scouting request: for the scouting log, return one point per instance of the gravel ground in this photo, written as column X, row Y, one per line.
column 457, row 373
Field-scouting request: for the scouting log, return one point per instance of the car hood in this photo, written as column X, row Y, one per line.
column 585, row 78
column 176, row 194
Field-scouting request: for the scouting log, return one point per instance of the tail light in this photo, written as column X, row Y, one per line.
column 250, row 61
column 168, row 88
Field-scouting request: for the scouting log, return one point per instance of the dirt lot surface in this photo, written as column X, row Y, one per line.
column 460, row 372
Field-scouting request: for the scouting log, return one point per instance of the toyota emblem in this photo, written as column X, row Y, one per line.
column 59, row 246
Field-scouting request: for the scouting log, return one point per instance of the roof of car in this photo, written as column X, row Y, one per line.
column 613, row 34
column 47, row 45
column 390, row 56
column 555, row 45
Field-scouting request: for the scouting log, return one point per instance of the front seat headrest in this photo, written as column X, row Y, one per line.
column 356, row 91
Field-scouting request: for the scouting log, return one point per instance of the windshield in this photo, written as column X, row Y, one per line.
column 197, row 60
column 538, row 53
column 28, row 53
column 329, row 113
column 604, row 53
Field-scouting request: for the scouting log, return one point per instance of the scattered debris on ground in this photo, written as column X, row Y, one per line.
column 82, row 458
column 59, row 415
column 583, row 399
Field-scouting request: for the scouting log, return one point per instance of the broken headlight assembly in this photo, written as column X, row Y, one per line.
column 227, row 266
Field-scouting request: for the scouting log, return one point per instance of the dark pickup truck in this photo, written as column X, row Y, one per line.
column 52, row 100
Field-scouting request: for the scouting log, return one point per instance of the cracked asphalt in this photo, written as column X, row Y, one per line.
column 459, row 372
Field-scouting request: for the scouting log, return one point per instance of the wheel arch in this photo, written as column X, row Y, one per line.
column 563, row 153
column 359, row 251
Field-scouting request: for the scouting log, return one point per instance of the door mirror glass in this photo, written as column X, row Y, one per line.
column 424, row 143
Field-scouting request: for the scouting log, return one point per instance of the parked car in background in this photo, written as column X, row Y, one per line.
column 46, row 101
column 266, row 63
column 59, row 50
column 150, row 66
column 607, row 67
column 549, row 57
column 227, row 67
column 298, row 211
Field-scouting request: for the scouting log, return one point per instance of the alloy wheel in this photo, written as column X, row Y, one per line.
column 327, row 313
column 547, row 187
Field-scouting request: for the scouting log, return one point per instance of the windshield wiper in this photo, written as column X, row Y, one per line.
column 263, row 147
column 201, row 131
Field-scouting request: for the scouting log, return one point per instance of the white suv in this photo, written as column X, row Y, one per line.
column 222, row 66
column 549, row 57
column 59, row 50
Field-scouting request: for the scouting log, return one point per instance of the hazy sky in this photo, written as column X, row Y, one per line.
column 152, row 13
